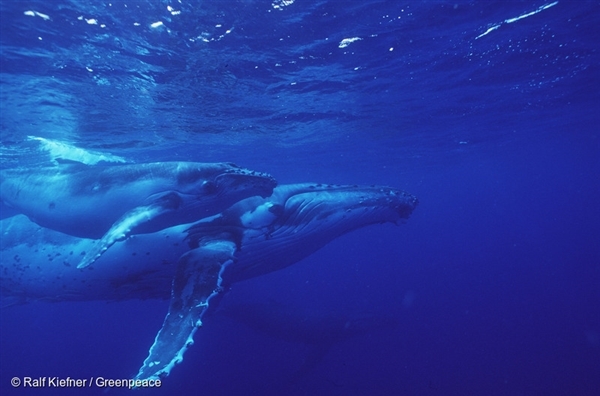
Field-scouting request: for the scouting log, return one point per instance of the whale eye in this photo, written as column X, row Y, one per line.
column 209, row 187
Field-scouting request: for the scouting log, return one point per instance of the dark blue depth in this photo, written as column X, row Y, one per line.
column 492, row 287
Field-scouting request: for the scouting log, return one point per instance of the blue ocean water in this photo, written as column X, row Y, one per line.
column 488, row 111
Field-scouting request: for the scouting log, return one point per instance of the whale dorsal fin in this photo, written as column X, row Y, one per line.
column 197, row 280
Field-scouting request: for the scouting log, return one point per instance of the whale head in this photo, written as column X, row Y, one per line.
column 224, row 182
column 248, row 182
column 297, row 220
column 344, row 207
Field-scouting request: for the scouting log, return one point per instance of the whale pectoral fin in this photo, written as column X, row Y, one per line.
column 119, row 231
column 197, row 280
column 128, row 223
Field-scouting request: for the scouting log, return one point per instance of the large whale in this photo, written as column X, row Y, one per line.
column 191, row 264
column 113, row 202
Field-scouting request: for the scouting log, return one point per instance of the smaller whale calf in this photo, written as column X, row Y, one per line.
column 113, row 202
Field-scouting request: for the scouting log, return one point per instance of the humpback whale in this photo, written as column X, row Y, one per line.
column 113, row 202
column 192, row 263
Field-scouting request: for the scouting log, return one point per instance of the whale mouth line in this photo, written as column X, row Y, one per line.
column 244, row 180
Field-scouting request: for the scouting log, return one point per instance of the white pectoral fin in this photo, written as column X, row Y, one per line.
column 197, row 280
column 120, row 231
